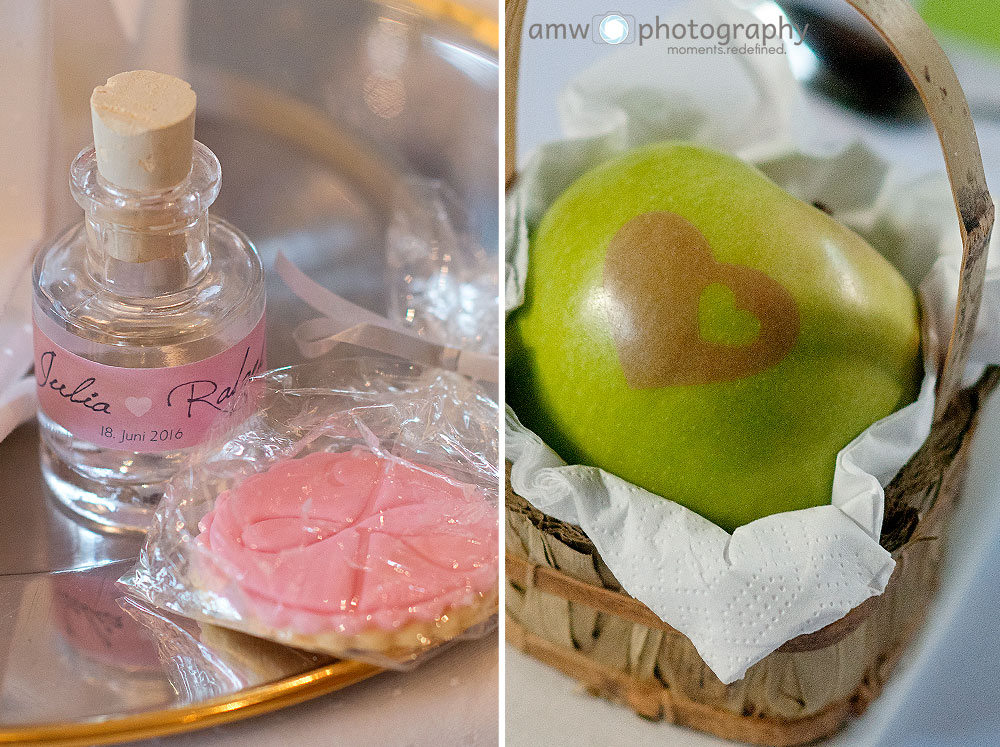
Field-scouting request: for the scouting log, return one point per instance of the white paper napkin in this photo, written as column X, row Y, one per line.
column 739, row 597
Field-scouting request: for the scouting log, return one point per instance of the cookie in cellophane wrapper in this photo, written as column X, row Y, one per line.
column 355, row 513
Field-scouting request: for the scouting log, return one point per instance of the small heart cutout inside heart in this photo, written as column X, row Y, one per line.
column 138, row 406
column 721, row 321
column 678, row 316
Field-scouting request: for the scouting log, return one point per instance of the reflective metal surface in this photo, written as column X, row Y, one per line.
column 314, row 109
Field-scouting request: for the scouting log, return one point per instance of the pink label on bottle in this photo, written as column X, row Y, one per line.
column 143, row 409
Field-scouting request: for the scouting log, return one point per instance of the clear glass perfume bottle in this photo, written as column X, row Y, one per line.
column 148, row 322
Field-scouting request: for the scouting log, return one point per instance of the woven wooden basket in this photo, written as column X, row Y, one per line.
column 565, row 607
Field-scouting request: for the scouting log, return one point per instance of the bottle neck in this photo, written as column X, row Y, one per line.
column 147, row 245
column 139, row 262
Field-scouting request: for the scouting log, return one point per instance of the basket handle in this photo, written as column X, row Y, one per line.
column 925, row 62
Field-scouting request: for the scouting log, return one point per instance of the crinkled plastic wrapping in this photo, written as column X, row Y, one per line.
column 355, row 513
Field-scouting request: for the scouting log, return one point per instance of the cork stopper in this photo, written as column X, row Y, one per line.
column 143, row 130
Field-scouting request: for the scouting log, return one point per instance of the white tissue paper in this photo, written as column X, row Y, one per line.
column 55, row 53
column 739, row 597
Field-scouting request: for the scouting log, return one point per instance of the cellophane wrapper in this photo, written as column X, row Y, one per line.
column 385, row 569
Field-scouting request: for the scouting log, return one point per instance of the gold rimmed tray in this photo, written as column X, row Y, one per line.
column 251, row 702
column 84, row 663
column 309, row 155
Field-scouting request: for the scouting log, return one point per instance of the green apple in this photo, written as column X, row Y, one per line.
column 695, row 330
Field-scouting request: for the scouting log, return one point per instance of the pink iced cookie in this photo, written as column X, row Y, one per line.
column 351, row 543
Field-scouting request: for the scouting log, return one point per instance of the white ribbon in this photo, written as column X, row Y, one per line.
column 344, row 322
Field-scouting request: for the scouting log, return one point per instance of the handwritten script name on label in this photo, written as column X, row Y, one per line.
column 150, row 409
column 656, row 269
column 77, row 394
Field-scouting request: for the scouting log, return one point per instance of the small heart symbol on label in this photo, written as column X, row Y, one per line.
column 138, row 406
column 679, row 317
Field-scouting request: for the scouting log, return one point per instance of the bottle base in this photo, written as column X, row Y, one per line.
column 106, row 506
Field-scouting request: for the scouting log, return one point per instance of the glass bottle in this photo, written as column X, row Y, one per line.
column 149, row 320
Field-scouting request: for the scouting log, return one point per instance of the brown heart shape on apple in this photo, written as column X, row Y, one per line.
column 656, row 269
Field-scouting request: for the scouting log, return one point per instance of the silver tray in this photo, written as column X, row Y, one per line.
column 312, row 130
